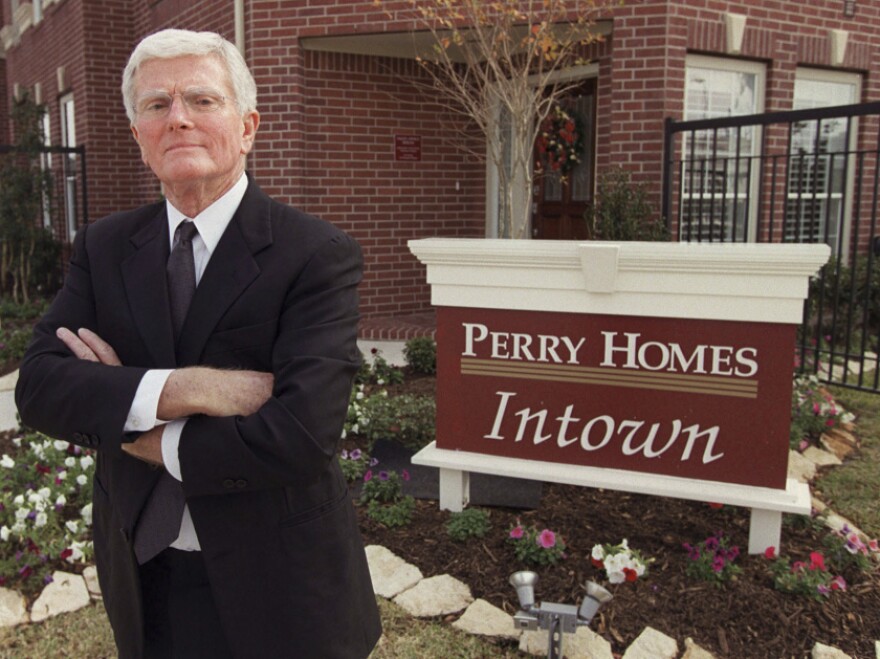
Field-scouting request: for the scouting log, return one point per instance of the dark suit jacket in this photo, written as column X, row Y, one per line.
column 269, row 503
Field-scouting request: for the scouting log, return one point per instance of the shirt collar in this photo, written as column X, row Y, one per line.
column 212, row 221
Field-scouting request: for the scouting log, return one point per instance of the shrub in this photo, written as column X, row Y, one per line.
column 421, row 354
column 45, row 509
column 620, row 562
column 13, row 342
column 536, row 547
column 470, row 523
column 809, row 579
column 846, row 550
column 383, row 494
column 621, row 211
column 406, row 419
column 354, row 464
column 713, row 560
column 377, row 371
column 813, row 411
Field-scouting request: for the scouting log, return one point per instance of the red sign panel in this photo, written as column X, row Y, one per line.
column 408, row 148
column 700, row 399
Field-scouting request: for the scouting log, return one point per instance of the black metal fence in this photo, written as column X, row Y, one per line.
column 803, row 176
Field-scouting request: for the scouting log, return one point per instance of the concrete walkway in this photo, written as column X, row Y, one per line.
column 8, row 412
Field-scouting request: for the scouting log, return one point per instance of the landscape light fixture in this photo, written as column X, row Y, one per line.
column 557, row 619
column 849, row 8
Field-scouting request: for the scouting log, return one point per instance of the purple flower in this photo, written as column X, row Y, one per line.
column 374, row 462
column 718, row 563
column 343, row 454
column 711, row 543
column 383, row 475
column 355, row 454
column 32, row 514
column 822, row 589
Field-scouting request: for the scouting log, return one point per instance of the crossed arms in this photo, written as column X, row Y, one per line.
column 188, row 391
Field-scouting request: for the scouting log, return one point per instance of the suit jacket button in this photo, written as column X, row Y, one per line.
column 241, row 483
column 228, row 483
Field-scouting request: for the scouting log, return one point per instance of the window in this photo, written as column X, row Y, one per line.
column 821, row 165
column 69, row 160
column 719, row 181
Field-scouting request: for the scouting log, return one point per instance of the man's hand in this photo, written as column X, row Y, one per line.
column 147, row 447
column 85, row 344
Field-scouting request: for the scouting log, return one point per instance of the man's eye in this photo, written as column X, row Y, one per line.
column 155, row 105
column 205, row 102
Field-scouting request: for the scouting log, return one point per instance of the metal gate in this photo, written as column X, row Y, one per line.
column 803, row 176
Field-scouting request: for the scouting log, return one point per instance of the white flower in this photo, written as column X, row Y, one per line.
column 72, row 526
column 7, row 462
column 18, row 500
column 598, row 552
column 86, row 461
column 4, row 533
column 86, row 513
column 17, row 442
column 60, row 445
column 81, row 480
column 44, row 493
column 41, row 520
column 75, row 552
column 61, row 475
column 22, row 513
column 70, row 461
column 61, row 500
column 18, row 527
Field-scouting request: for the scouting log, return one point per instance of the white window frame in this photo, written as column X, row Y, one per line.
column 69, row 162
column 725, row 64
column 46, row 165
column 855, row 81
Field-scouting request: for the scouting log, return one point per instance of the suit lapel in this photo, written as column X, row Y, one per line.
column 230, row 271
column 144, row 278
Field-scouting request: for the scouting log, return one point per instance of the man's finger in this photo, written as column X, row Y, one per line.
column 103, row 350
column 76, row 345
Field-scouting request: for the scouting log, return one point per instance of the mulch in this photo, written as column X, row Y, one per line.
column 743, row 618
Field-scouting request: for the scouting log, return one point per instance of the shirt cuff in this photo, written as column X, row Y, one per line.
column 142, row 415
column 170, row 443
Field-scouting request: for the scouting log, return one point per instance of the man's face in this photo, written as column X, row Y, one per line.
column 185, row 146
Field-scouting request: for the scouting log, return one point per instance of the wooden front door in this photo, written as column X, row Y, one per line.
column 561, row 196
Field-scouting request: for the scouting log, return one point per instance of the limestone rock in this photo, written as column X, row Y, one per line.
column 13, row 608
column 822, row 651
column 391, row 574
column 584, row 644
column 800, row 468
column 90, row 574
column 486, row 619
column 821, row 458
column 435, row 596
column 651, row 644
column 66, row 593
column 839, row 442
column 694, row 651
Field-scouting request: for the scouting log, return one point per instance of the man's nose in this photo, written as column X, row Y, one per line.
column 178, row 113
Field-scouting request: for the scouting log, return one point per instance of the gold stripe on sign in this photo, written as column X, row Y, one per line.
column 696, row 384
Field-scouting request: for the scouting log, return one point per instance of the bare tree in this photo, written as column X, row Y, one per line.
column 502, row 64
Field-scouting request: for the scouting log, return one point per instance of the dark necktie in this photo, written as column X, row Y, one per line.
column 159, row 524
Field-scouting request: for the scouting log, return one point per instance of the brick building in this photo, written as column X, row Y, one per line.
column 345, row 135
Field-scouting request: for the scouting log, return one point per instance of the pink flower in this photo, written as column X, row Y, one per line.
column 516, row 532
column 838, row 583
column 817, row 561
column 873, row 545
column 547, row 539
column 404, row 475
column 368, row 476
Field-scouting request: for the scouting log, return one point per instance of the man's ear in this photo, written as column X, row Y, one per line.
column 134, row 131
column 250, row 123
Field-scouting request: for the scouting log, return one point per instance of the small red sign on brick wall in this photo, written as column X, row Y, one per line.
column 698, row 399
column 408, row 148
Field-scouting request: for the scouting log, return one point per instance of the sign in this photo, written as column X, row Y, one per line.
column 408, row 148
column 692, row 398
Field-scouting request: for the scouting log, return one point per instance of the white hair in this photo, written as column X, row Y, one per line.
column 169, row 44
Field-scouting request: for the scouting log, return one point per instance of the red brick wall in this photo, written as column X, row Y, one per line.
column 328, row 121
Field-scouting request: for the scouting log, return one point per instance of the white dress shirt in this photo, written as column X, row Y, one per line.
column 142, row 416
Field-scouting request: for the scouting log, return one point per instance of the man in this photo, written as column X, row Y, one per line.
column 254, row 375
